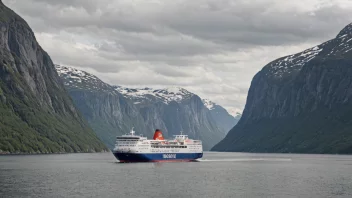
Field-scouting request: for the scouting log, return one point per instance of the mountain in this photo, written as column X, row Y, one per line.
column 223, row 119
column 113, row 110
column 107, row 111
column 300, row 103
column 37, row 114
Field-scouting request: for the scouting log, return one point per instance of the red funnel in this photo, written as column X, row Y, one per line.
column 158, row 135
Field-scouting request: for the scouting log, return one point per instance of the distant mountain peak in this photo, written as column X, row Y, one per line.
column 166, row 95
column 79, row 79
column 345, row 31
column 70, row 71
column 208, row 104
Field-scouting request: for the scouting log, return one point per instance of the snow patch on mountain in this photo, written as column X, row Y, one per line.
column 208, row 104
column 345, row 31
column 72, row 72
column 339, row 46
column 166, row 95
column 80, row 79
column 343, row 45
column 293, row 62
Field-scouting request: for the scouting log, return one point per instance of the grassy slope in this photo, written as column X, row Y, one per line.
column 27, row 127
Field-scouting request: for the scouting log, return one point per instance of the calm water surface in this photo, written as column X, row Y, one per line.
column 216, row 175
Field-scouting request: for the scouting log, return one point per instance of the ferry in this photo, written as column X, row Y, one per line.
column 136, row 148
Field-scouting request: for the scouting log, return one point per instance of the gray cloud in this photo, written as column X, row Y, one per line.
column 212, row 47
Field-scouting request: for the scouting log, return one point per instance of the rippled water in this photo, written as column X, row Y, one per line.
column 216, row 175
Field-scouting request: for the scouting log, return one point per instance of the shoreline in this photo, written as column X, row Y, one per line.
column 58, row 153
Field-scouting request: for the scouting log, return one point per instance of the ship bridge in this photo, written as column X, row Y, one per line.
column 181, row 137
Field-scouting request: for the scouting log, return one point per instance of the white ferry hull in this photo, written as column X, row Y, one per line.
column 157, row 157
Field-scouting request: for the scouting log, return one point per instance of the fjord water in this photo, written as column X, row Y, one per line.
column 216, row 175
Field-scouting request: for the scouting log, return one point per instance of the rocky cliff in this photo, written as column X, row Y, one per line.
column 224, row 120
column 37, row 114
column 113, row 110
column 299, row 103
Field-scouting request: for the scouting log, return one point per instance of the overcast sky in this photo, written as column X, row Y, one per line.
column 210, row 47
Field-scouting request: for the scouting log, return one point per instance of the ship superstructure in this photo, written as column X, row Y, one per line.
column 136, row 148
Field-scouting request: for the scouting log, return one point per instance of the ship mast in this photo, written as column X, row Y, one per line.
column 132, row 131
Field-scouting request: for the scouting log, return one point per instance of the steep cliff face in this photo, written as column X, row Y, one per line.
column 113, row 110
column 37, row 115
column 299, row 103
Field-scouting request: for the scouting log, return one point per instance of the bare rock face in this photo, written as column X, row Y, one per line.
column 37, row 115
column 299, row 103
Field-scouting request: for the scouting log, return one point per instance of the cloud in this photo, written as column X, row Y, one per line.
column 211, row 47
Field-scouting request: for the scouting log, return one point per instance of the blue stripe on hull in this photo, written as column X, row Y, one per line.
column 154, row 157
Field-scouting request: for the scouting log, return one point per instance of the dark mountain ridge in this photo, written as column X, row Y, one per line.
column 300, row 103
column 37, row 114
